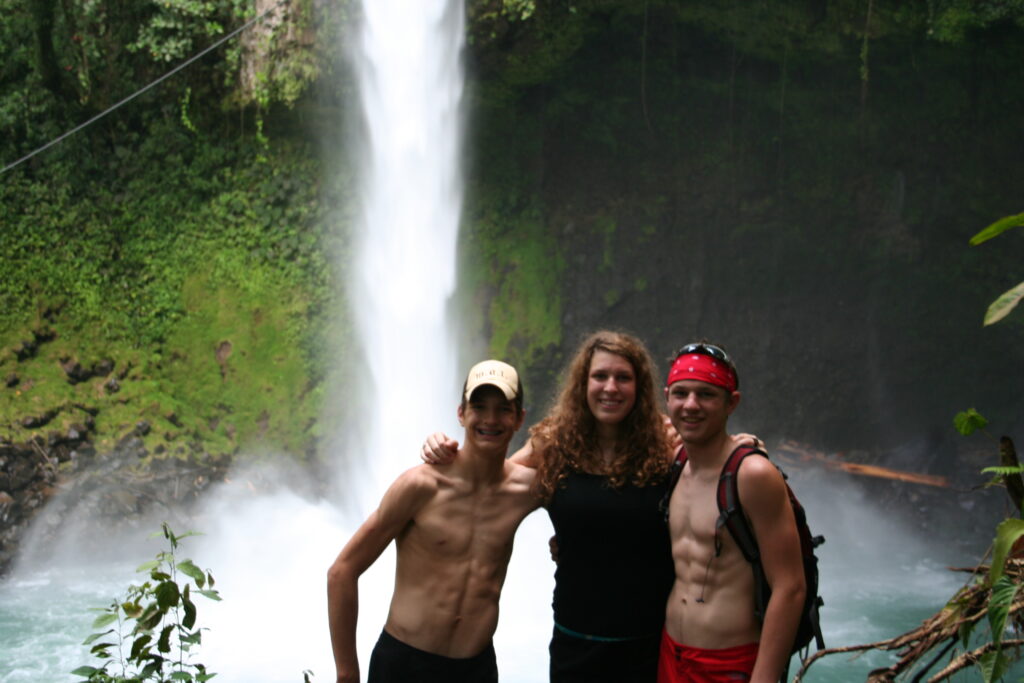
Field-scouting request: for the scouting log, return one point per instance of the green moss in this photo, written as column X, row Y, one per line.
column 236, row 360
column 514, row 264
column 228, row 253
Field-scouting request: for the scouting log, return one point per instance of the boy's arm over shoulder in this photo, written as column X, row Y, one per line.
column 766, row 503
column 529, row 455
column 522, row 476
column 405, row 497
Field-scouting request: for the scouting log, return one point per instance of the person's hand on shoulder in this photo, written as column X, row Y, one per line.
column 438, row 449
column 749, row 440
column 674, row 440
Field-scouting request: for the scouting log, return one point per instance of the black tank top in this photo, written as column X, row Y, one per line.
column 614, row 568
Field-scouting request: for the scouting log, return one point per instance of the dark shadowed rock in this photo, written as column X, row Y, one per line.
column 37, row 421
column 25, row 349
column 74, row 370
column 103, row 368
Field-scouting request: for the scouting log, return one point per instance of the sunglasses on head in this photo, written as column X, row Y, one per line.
column 710, row 350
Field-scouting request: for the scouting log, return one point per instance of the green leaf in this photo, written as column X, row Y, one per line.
column 1003, row 593
column 181, row 676
column 964, row 632
column 104, row 620
column 99, row 648
column 206, row 677
column 167, row 595
column 212, row 595
column 194, row 638
column 164, row 644
column 190, row 611
column 993, row 666
column 96, row 636
column 195, row 573
column 150, row 619
column 148, row 566
column 86, row 671
column 1007, row 533
column 999, row 227
column 1004, row 471
column 969, row 422
column 140, row 647
column 987, row 664
column 157, row 664
column 1001, row 307
column 132, row 609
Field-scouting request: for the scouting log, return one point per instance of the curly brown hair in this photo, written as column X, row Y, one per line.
column 566, row 440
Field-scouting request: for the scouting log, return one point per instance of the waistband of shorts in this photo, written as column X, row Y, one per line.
column 745, row 649
column 602, row 639
column 396, row 642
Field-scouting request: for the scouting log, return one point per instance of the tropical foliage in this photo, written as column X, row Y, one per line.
column 151, row 633
column 1009, row 299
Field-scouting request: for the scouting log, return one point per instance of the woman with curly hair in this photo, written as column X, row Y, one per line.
column 602, row 457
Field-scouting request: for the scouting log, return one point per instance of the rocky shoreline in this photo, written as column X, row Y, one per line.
column 49, row 481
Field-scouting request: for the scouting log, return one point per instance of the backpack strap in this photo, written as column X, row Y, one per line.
column 730, row 512
column 730, row 515
column 673, row 479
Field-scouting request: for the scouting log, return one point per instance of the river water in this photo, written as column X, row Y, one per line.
column 270, row 552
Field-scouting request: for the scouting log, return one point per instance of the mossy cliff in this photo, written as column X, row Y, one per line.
column 796, row 179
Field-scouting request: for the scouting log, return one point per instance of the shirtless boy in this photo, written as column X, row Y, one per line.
column 711, row 632
column 453, row 526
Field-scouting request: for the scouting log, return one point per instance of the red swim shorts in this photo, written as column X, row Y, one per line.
column 682, row 664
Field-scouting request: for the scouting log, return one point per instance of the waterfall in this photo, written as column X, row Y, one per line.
column 407, row 61
column 409, row 74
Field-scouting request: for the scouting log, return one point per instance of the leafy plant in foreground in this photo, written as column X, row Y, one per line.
column 160, row 619
column 1002, row 306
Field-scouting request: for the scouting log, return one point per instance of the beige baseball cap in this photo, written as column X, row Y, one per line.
column 495, row 373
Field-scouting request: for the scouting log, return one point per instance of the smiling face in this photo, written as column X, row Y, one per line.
column 490, row 420
column 611, row 388
column 699, row 410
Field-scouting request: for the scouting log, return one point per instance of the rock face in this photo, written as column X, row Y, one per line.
column 47, row 481
column 28, row 478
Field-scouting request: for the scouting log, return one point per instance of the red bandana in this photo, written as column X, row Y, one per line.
column 704, row 368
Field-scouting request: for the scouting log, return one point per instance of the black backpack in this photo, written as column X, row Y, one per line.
column 731, row 516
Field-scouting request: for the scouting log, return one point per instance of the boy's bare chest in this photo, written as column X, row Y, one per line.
column 460, row 524
column 693, row 510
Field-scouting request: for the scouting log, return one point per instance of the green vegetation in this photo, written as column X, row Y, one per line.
column 615, row 148
column 208, row 296
column 1009, row 299
column 515, row 269
column 155, row 624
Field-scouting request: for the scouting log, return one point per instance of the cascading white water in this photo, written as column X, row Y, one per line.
column 407, row 62
column 410, row 82
column 410, row 77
